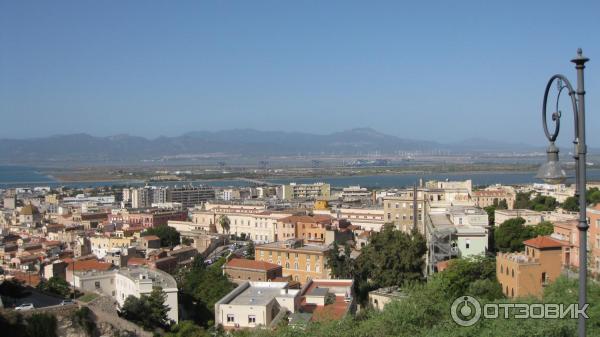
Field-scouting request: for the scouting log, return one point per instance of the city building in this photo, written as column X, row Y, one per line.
column 242, row 270
column 491, row 197
column 256, row 304
column 130, row 281
column 593, row 216
column 531, row 217
column 568, row 234
column 150, row 217
column 190, row 196
column 379, row 298
column 355, row 193
column 304, row 191
column 527, row 273
column 300, row 261
column 400, row 209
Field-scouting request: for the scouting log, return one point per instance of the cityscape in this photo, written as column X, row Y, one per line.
column 266, row 169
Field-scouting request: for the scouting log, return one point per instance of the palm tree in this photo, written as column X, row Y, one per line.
column 224, row 222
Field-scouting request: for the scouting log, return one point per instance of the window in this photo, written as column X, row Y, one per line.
column 230, row 318
column 513, row 273
column 97, row 284
column 468, row 244
column 251, row 319
column 287, row 265
column 318, row 268
column 308, row 267
column 296, row 265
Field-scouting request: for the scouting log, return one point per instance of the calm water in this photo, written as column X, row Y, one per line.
column 19, row 176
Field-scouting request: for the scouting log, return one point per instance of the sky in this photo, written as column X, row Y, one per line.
column 433, row 70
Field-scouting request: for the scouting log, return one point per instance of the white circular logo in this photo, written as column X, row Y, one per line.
column 465, row 311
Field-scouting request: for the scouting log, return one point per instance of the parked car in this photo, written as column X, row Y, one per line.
column 67, row 302
column 25, row 306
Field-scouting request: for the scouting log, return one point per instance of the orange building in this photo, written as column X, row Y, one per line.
column 567, row 233
column 301, row 262
column 527, row 273
column 309, row 228
column 593, row 215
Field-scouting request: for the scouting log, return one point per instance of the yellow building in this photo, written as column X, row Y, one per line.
column 527, row 273
column 301, row 262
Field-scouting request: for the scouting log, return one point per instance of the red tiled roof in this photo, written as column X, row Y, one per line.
column 307, row 219
column 89, row 265
column 31, row 279
column 543, row 242
column 135, row 261
column 251, row 264
column 150, row 237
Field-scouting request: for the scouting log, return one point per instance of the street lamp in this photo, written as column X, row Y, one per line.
column 552, row 172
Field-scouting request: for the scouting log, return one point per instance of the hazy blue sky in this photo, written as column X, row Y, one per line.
column 444, row 70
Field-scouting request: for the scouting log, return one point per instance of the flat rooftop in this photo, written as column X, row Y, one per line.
column 260, row 293
column 305, row 247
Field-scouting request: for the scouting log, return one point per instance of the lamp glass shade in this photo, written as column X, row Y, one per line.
column 552, row 173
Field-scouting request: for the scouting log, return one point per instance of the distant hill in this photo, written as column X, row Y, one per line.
column 237, row 142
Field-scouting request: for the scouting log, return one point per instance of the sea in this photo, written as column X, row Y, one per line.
column 23, row 176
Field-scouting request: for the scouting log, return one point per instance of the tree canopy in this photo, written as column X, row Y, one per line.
column 55, row 285
column 392, row 258
column 509, row 236
column 148, row 311
column 202, row 287
column 169, row 236
column 538, row 203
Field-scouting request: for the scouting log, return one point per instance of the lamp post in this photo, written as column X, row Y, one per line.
column 552, row 172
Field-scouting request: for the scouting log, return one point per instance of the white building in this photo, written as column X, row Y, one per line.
column 126, row 282
column 255, row 304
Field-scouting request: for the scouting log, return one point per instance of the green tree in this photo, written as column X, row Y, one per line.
column 250, row 250
column 41, row 325
column 149, row 311
column 169, row 236
column 187, row 329
column 592, row 196
column 522, row 200
column 392, row 258
column 340, row 265
column 201, row 288
column 509, row 236
column 471, row 276
column 84, row 318
column 225, row 223
column 570, row 204
column 542, row 203
column 502, row 204
column 542, row 229
column 55, row 285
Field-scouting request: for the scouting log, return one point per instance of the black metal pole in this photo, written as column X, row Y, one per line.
column 581, row 151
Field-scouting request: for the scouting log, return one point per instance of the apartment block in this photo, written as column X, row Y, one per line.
column 304, row 191
column 300, row 261
column 527, row 273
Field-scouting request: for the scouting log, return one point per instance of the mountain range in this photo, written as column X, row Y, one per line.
column 237, row 142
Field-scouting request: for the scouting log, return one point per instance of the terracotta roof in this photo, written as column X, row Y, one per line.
column 543, row 242
column 150, row 237
column 133, row 261
column 251, row 264
column 307, row 218
column 89, row 265
column 31, row 279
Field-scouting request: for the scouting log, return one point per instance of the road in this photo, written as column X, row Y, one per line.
column 39, row 300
